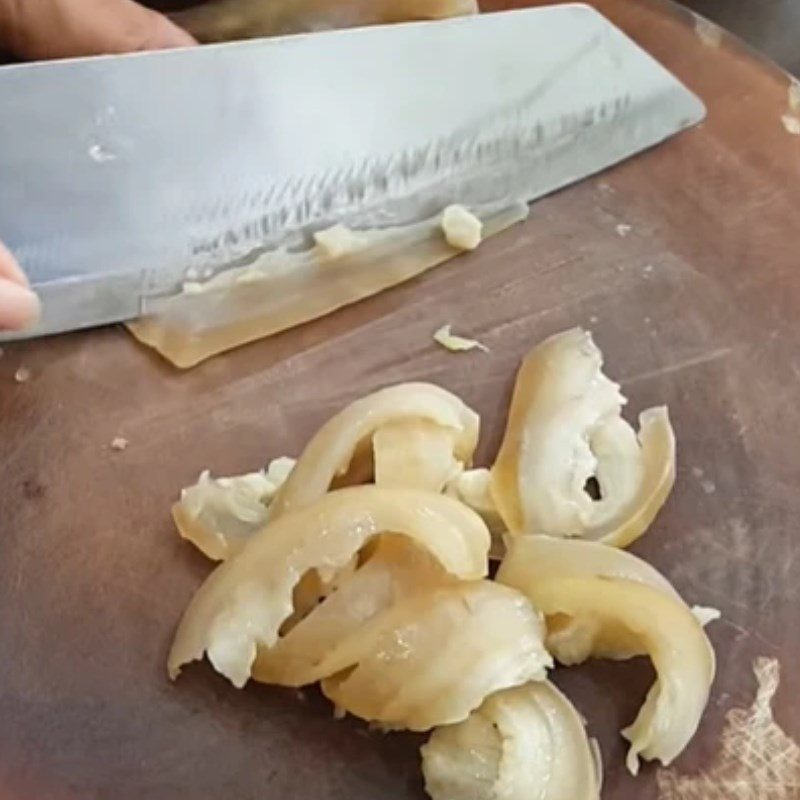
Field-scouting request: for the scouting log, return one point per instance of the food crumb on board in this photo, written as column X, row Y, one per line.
column 708, row 32
column 462, row 229
column 456, row 344
column 709, row 487
column 794, row 95
column 119, row 443
column 338, row 241
column 791, row 123
column 22, row 375
column 623, row 230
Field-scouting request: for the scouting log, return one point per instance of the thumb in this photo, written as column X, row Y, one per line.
column 42, row 29
column 19, row 306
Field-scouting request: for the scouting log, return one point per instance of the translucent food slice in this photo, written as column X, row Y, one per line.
column 331, row 450
column 218, row 515
column 396, row 569
column 615, row 609
column 223, row 20
column 245, row 601
column 541, row 557
column 433, row 657
column 530, row 559
column 281, row 289
column 522, row 743
column 565, row 430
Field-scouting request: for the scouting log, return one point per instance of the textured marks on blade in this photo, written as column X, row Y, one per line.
column 481, row 111
column 478, row 164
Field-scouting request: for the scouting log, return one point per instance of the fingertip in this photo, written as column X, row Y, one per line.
column 20, row 307
column 168, row 36
column 10, row 269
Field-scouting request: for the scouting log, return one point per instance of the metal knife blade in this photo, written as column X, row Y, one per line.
column 121, row 176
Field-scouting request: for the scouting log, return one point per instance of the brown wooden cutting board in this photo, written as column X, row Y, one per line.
column 697, row 306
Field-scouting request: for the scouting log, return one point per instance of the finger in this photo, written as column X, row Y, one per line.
column 41, row 29
column 19, row 306
column 10, row 269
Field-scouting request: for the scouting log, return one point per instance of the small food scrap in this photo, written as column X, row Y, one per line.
column 462, row 229
column 338, row 241
column 791, row 123
column 709, row 33
column 456, row 344
column 22, row 375
column 794, row 95
column 705, row 615
column 363, row 567
column 119, row 443
column 100, row 154
column 623, row 230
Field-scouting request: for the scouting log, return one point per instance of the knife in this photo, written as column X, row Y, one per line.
column 121, row 176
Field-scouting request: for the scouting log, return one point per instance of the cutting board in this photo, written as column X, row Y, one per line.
column 696, row 303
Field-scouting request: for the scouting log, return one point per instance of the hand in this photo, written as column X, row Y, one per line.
column 40, row 29
column 19, row 306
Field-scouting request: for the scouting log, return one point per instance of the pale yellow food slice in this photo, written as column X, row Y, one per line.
column 331, row 451
column 222, row 20
column 433, row 657
column 282, row 290
column 522, row 743
column 246, row 600
column 397, row 569
column 565, row 428
column 530, row 559
column 615, row 609
column 218, row 515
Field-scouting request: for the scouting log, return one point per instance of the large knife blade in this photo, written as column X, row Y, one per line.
column 120, row 176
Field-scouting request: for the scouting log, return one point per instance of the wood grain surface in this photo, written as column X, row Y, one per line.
column 697, row 307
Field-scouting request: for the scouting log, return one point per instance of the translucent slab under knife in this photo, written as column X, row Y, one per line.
column 121, row 176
